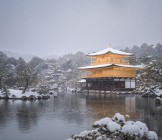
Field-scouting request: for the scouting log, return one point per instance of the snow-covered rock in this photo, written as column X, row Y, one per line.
column 119, row 118
column 129, row 122
column 151, row 135
column 103, row 121
column 17, row 94
column 131, row 129
column 84, row 133
column 113, row 126
column 143, row 128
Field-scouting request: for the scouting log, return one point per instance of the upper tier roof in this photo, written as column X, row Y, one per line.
column 109, row 50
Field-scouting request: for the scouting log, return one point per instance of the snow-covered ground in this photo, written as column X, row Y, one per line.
column 150, row 91
column 13, row 93
column 158, row 92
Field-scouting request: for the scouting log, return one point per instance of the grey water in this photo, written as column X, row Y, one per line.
column 59, row 118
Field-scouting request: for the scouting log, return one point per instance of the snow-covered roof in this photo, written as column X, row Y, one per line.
column 109, row 50
column 109, row 65
column 82, row 81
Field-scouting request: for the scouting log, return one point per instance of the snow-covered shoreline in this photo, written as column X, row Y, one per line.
column 151, row 93
column 17, row 94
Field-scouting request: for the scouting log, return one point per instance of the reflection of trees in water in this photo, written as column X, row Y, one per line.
column 70, row 107
column 149, row 113
column 5, row 111
column 26, row 112
column 27, row 115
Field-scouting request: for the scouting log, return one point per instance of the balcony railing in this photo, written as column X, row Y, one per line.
column 106, row 62
column 129, row 75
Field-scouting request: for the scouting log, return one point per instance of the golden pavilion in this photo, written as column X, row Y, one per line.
column 110, row 70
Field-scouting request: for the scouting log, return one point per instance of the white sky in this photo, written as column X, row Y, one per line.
column 56, row 27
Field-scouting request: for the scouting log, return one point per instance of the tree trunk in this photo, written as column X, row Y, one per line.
column 26, row 85
column 0, row 83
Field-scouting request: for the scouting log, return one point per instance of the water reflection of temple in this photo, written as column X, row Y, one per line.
column 130, row 104
column 107, row 107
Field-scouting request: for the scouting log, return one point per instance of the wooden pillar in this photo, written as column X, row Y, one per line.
column 113, row 84
column 119, row 84
column 100, row 83
column 88, row 88
column 96, row 82
column 105, row 87
column 130, row 83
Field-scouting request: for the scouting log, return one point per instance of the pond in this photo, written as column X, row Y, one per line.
column 59, row 118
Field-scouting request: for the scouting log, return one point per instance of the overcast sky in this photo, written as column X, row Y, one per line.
column 46, row 27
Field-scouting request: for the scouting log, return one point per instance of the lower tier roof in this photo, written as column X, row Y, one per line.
column 110, row 65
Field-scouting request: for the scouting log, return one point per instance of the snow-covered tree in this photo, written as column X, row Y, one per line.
column 25, row 75
column 3, row 69
column 35, row 61
column 150, row 78
column 154, row 70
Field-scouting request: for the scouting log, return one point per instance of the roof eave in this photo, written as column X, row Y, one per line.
column 92, row 55
column 84, row 68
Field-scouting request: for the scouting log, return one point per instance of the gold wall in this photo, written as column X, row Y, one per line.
column 111, row 72
column 109, row 59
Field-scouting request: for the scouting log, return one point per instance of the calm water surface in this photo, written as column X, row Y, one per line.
column 59, row 118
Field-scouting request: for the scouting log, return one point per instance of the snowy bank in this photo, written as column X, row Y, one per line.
column 116, row 128
column 151, row 91
column 17, row 94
